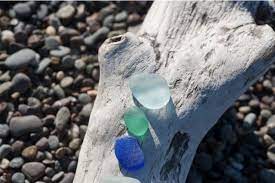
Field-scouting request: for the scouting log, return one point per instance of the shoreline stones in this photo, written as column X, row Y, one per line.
column 23, row 58
column 24, row 125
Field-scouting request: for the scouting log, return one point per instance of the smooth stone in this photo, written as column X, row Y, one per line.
column 129, row 153
column 24, row 125
column 66, row 82
column 5, row 88
column 4, row 163
column 43, row 65
column 271, row 121
column 136, row 121
column 68, row 178
column 84, row 98
column 22, row 10
column 60, row 52
column 4, row 130
column 21, row 83
column 30, row 152
column 108, row 21
column 16, row 162
column 249, row 120
column 75, row 144
column 122, row 16
column 86, row 111
column 57, row 177
column 23, row 58
column 42, row 11
column 53, row 142
column 72, row 166
column 117, row 179
column 79, row 64
column 62, row 118
column 150, row 90
column 7, row 36
column 18, row 177
column 67, row 62
column 5, row 149
column 42, row 144
column 52, row 42
column 66, row 12
column 33, row 170
column 59, row 92
column 99, row 34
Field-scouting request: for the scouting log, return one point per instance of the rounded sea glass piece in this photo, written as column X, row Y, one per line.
column 136, row 121
column 129, row 153
column 150, row 90
column 116, row 179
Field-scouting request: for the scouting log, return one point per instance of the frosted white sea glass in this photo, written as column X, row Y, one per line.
column 150, row 90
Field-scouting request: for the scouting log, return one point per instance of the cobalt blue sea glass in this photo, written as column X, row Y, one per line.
column 150, row 90
column 116, row 179
column 129, row 153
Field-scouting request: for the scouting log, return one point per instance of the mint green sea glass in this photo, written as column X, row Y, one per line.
column 116, row 179
column 150, row 90
column 136, row 121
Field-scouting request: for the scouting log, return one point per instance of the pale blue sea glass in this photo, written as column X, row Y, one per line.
column 150, row 90
column 116, row 179
column 129, row 153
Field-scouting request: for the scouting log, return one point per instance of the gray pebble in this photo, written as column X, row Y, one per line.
column 23, row 58
column 5, row 149
column 22, row 10
column 42, row 144
column 62, row 118
column 99, row 34
column 4, row 130
column 60, row 52
column 67, row 62
column 66, row 12
column 79, row 64
column 43, row 65
column 24, row 125
column 84, row 98
column 249, row 120
column 5, row 88
column 21, row 83
column 72, row 166
column 86, row 111
column 59, row 92
column 108, row 21
column 49, row 172
column 52, row 43
column 18, row 178
column 68, row 178
column 33, row 170
column 53, row 142
column 75, row 144
column 122, row 16
column 57, row 177
column 66, row 82
column 16, row 162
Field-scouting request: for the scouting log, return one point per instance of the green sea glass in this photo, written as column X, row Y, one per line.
column 150, row 90
column 136, row 121
column 116, row 179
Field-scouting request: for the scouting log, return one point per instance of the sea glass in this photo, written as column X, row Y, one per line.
column 129, row 153
column 116, row 179
column 150, row 90
column 136, row 121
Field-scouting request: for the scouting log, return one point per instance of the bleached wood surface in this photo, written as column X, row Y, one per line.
column 209, row 52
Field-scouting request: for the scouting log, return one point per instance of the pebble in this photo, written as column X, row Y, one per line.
column 84, row 98
column 52, row 42
column 80, row 64
column 30, row 152
column 24, row 125
column 5, row 88
column 21, row 83
column 249, row 120
column 99, row 34
column 5, row 149
column 4, row 130
column 66, row 82
column 62, row 118
column 57, row 177
column 22, row 10
column 43, row 65
column 49, row 172
column 4, row 164
column 7, row 37
column 86, row 111
column 18, row 178
column 67, row 62
column 75, row 144
column 33, row 170
column 61, row 51
column 23, row 58
column 68, row 178
column 72, row 166
column 122, row 16
column 16, row 162
column 66, row 13
column 53, row 142
column 42, row 144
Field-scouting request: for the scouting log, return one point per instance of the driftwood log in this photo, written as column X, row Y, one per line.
column 209, row 53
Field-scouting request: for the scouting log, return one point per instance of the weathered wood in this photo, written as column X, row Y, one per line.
column 209, row 52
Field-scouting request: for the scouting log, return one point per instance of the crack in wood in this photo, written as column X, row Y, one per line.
column 174, row 154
